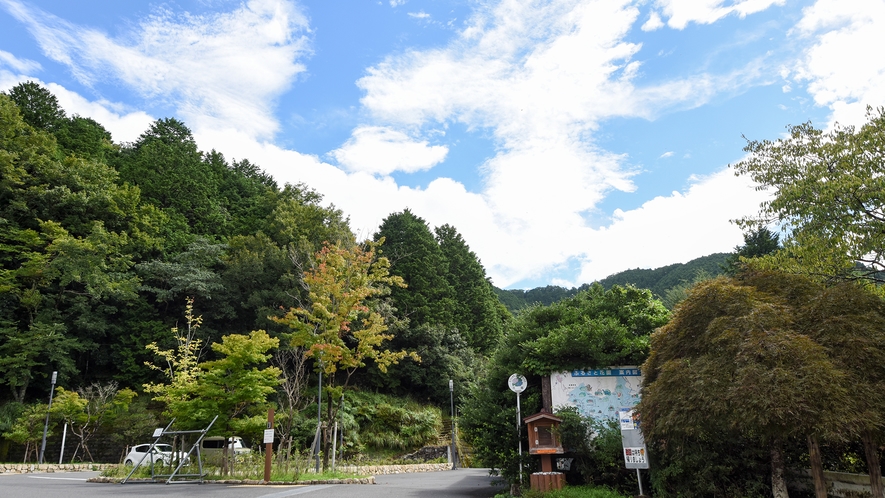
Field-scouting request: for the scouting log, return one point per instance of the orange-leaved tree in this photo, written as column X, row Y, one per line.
column 340, row 328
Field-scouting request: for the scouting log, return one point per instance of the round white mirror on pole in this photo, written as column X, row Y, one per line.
column 517, row 383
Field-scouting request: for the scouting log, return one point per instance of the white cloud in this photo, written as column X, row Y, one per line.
column 125, row 124
column 682, row 12
column 397, row 3
column 539, row 77
column 419, row 15
column 364, row 197
column 839, row 68
column 654, row 22
column 19, row 65
column 380, row 150
column 218, row 70
column 695, row 223
column 667, row 154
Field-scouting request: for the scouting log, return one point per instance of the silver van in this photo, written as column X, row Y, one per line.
column 212, row 448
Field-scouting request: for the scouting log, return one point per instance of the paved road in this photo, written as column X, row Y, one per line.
column 456, row 483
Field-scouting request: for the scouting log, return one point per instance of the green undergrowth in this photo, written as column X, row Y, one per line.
column 278, row 474
column 392, row 425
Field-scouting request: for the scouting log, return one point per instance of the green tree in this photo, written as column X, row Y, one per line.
column 235, row 386
column 415, row 256
column 85, row 137
column 180, row 366
column 339, row 328
column 594, row 329
column 735, row 359
column 39, row 107
column 478, row 314
column 69, row 234
column 826, row 194
column 89, row 408
column 849, row 320
column 27, row 429
column 168, row 168
column 758, row 242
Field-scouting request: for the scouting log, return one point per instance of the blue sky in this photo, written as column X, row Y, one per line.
column 566, row 140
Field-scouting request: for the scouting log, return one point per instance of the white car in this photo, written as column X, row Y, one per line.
column 161, row 455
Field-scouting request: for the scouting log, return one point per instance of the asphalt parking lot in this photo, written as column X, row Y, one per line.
column 454, row 483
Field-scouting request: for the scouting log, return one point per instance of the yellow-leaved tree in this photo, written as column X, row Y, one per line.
column 339, row 329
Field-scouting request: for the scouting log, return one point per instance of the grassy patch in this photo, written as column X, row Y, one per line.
column 214, row 473
column 571, row 492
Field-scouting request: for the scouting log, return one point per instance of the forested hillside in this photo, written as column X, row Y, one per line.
column 659, row 281
column 148, row 269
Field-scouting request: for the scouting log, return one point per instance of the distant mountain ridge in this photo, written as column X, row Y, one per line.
column 658, row 280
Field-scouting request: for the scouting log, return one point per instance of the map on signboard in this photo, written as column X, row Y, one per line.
column 599, row 394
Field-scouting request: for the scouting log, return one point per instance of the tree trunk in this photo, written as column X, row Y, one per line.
column 224, row 458
column 19, row 394
column 817, row 468
column 325, row 439
column 778, row 483
column 871, row 451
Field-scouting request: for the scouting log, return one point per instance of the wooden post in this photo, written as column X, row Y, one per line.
column 268, row 448
column 546, row 394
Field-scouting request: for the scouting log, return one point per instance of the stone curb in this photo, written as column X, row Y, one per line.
column 359, row 480
column 49, row 468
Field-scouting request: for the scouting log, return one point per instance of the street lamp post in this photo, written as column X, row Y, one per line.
column 46, row 425
column 452, row 401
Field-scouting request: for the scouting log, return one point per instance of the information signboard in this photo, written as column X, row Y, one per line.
column 635, row 452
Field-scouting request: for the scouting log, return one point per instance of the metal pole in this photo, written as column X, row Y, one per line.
column 334, row 444
column 46, row 425
column 452, row 402
column 64, row 434
column 268, row 448
column 519, row 436
column 639, row 479
column 319, row 418
column 341, row 432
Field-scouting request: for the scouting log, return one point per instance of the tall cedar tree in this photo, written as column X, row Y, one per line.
column 479, row 315
column 169, row 169
column 415, row 256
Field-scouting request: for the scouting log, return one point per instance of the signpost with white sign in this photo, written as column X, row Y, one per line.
column 635, row 452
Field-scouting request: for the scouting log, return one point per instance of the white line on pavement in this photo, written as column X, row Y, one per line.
column 59, row 478
column 298, row 491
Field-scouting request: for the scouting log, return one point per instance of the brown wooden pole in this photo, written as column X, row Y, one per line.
column 268, row 448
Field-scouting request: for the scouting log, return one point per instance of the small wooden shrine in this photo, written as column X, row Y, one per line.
column 544, row 441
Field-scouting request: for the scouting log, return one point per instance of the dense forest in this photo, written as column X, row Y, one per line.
column 110, row 253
